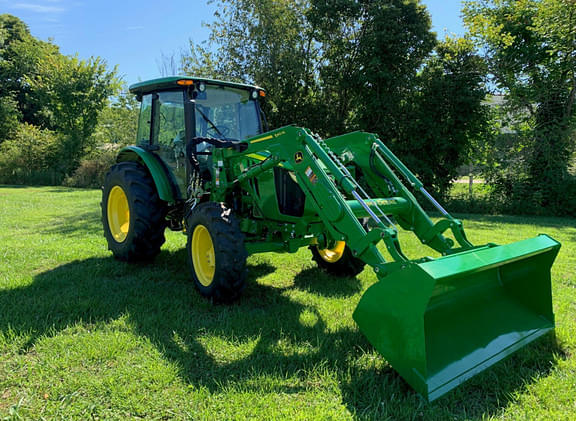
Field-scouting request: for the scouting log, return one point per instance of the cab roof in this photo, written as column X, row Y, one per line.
column 169, row 82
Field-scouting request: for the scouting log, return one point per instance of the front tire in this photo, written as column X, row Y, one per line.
column 133, row 216
column 216, row 252
column 338, row 260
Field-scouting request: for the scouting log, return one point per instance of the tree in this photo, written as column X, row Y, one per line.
column 20, row 56
column 531, row 48
column 382, row 70
column 12, row 32
column 269, row 43
column 371, row 52
column 56, row 94
column 12, row 29
column 341, row 65
column 9, row 118
column 448, row 123
column 117, row 122
column 395, row 42
column 32, row 156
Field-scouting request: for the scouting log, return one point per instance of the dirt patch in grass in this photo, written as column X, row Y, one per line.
column 4, row 399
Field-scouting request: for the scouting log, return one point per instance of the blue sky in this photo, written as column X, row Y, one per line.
column 134, row 34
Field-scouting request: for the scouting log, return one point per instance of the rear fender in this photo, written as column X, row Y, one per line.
column 165, row 185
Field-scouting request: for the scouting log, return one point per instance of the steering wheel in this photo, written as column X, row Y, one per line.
column 224, row 130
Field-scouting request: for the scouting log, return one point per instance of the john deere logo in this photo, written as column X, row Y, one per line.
column 298, row 157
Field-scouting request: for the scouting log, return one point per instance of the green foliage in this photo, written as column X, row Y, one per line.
column 12, row 29
column 530, row 47
column 117, row 126
column 75, row 91
column 9, row 117
column 370, row 53
column 395, row 41
column 32, row 156
column 447, row 121
column 58, row 94
column 20, row 56
column 267, row 42
column 118, row 122
column 92, row 170
column 336, row 66
column 378, row 74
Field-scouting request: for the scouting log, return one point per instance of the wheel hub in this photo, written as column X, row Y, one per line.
column 118, row 214
column 203, row 255
column 334, row 254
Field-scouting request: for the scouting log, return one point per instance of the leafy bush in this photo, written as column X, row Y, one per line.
column 31, row 157
column 509, row 194
column 92, row 170
column 463, row 203
column 9, row 118
column 515, row 196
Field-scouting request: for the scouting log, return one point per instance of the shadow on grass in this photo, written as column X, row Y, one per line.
column 13, row 186
column 483, row 396
column 317, row 281
column 47, row 188
column 163, row 306
column 62, row 189
column 76, row 224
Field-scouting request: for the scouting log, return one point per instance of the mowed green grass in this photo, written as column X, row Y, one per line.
column 85, row 336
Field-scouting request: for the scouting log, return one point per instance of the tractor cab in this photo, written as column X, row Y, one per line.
column 183, row 118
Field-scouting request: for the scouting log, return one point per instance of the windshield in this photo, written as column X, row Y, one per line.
column 224, row 112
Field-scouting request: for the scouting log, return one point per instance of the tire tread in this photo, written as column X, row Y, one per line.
column 148, row 213
column 228, row 239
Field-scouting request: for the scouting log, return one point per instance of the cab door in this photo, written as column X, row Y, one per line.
column 168, row 134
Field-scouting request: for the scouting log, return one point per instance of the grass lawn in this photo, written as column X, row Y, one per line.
column 479, row 190
column 83, row 335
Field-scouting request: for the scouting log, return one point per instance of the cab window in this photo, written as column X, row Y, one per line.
column 144, row 121
column 169, row 133
column 224, row 112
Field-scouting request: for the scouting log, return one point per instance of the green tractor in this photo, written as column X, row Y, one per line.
column 204, row 163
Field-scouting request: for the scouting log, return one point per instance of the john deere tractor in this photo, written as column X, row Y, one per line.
column 205, row 163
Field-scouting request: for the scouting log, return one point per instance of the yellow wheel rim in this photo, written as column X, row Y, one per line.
column 118, row 214
column 334, row 254
column 203, row 256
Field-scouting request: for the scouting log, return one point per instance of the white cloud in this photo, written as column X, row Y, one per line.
column 38, row 8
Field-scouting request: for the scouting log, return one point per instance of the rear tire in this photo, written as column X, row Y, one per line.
column 338, row 261
column 133, row 216
column 216, row 252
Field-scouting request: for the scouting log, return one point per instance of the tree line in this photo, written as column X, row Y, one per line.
column 530, row 50
column 55, row 110
column 340, row 65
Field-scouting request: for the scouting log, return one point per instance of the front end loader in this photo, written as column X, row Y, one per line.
column 204, row 163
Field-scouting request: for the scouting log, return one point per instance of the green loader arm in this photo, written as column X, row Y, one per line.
column 437, row 321
column 320, row 168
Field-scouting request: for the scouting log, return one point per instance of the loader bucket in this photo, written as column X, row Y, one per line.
column 440, row 322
